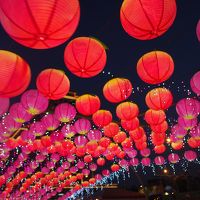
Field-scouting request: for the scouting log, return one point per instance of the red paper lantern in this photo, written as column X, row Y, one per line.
column 158, row 138
column 130, row 124
column 159, row 99
column 111, row 129
column 141, row 146
column 117, row 90
column 120, row 137
column 177, row 145
column 154, row 117
column 137, row 134
column 145, row 20
column 155, row 67
column 160, row 128
column 85, row 57
column 160, row 149
column 104, row 142
column 53, row 83
column 101, row 161
column 115, row 167
column 102, row 118
column 15, row 74
column 127, row 110
column 87, row 104
column 40, row 24
column 88, row 158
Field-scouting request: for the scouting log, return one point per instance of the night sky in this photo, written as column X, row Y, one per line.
column 100, row 19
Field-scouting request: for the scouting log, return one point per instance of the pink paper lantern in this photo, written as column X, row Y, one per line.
column 195, row 82
column 27, row 136
column 98, row 177
column 71, row 158
column 34, row 102
column 195, row 132
column 145, row 152
column 173, row 158
column 40, row 158
column 50, row 122
column 86, row 172
column 93, row 167
column 68, row 131
column 188, row 108
column 94, row 135
column 106, row 172
column 10, row 124
column 80, row 164
column 50, row 164
column 80, row 141
column 198, row 30
column 159, row 160
column 190, row 155
column 4, row 105
column 65, row 112
column 134, row 162
column 146, row 162
column 82, row 126
column 57, row 136
column 132, row 153
column 19, row 114
column 55, row 157
column 37, row 129
column 187, row 124
column 178, row 131
column 73, row 169
column 66, row 165
column 124, row 164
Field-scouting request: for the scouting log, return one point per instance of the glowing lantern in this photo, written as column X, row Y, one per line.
column 94, row 135
column 159, row 160
column 160, row 149
column 10, row 124
column 187, row 124
column 87, row 104
column 106, row 172
column 177, row 145
column 140, row 145
column 15, row 74
column 145, row 152
column 195, row 132
column 80, row 141
column 85, row 57
column 111, row 129
column 193, row 143
column 160, row 128
column 34, row 102
column 27, row 136
column 120, row 137
column 82, row 126
column 130, row 124
column 173, row 158
column 190, row 155
column 154, row 117
column 50, row 122
column 53, row 83
column 198, row 30
column 115, row 167
column 45, row 24
column 37, row 129
column 158, row 138
column 134, row 162
column 137, row 133
column 93, row 167
column 68, row 130
column 88, row 158
column 195, row 82
column 178, row 131
column 102, row 118
column 146, row 162
column 4, row 102
column 155, row 67
column 91, row 146
column 159, row 99
column 19, row 114
column 127, row 111
column 46, row 141
column 117, row 90
column 146, row 20
column 104, row 142
column 188, row 108
column 101, row 161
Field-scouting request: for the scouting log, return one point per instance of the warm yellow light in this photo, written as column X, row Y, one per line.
column 165, row 171
column 168, row 140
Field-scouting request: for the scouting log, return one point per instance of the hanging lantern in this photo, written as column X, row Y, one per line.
column 155, row 67
column 145, row 152
column 134, row 162
column 159, row 160
column 104, row 142
column 159, row 99
column 190, row 155
column 187, row 124
column 50, row 122
column 127, row 110
column 37, row 129
column 158, row 138
column 130, row 124
column 40, row 24
column 102, row 118
column 160, row 149
column 34, row 102
column 87, row 104
column 160, row 128
column 65, row 112
column 117, row 90
column 85, row 57
column 173, row 158
column 146, row 162
column 94, row 135
column 53, row 83
column 111, row 129
column 137, row 133
column 195, row 82
column 193, row 143
column 198, row 30
column 68, row 131
column 10, row 124
column 146, row 20
column 177, row 145
column 154, row 117
column 82, row 126
column 15, row 74
column 195, row 132
column 4, row 105
column 120, row 137
column 115, row 167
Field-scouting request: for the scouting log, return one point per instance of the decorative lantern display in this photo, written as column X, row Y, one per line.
column 15, row 74
column 40, row 24
column 195, row 82
column 87, row 104
column 127, row 110
column 155, row 67
column 34, row 102
column 159, row 99
column 117, row 90
column 85, row 57
column 53, row 83
column 146, row 20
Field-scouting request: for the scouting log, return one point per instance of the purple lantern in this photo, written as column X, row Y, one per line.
column 10, row 124
column 195, row 132
column 134, row 162
column 145, row 152
column 50, row 122
column 80, row 141
column 82, row 126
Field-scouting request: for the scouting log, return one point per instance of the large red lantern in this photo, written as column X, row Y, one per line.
column 15, row 74
column 145, row 20
column 154, row 117
column 117, row 90
column 127, row 110
column 85, row 57
column 159, row 99
column 53, row 83
column 40, row 24
column 155, row 67
column 102, row 118
column 87, row 104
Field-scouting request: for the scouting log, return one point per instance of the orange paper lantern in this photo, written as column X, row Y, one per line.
column 102, row 118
